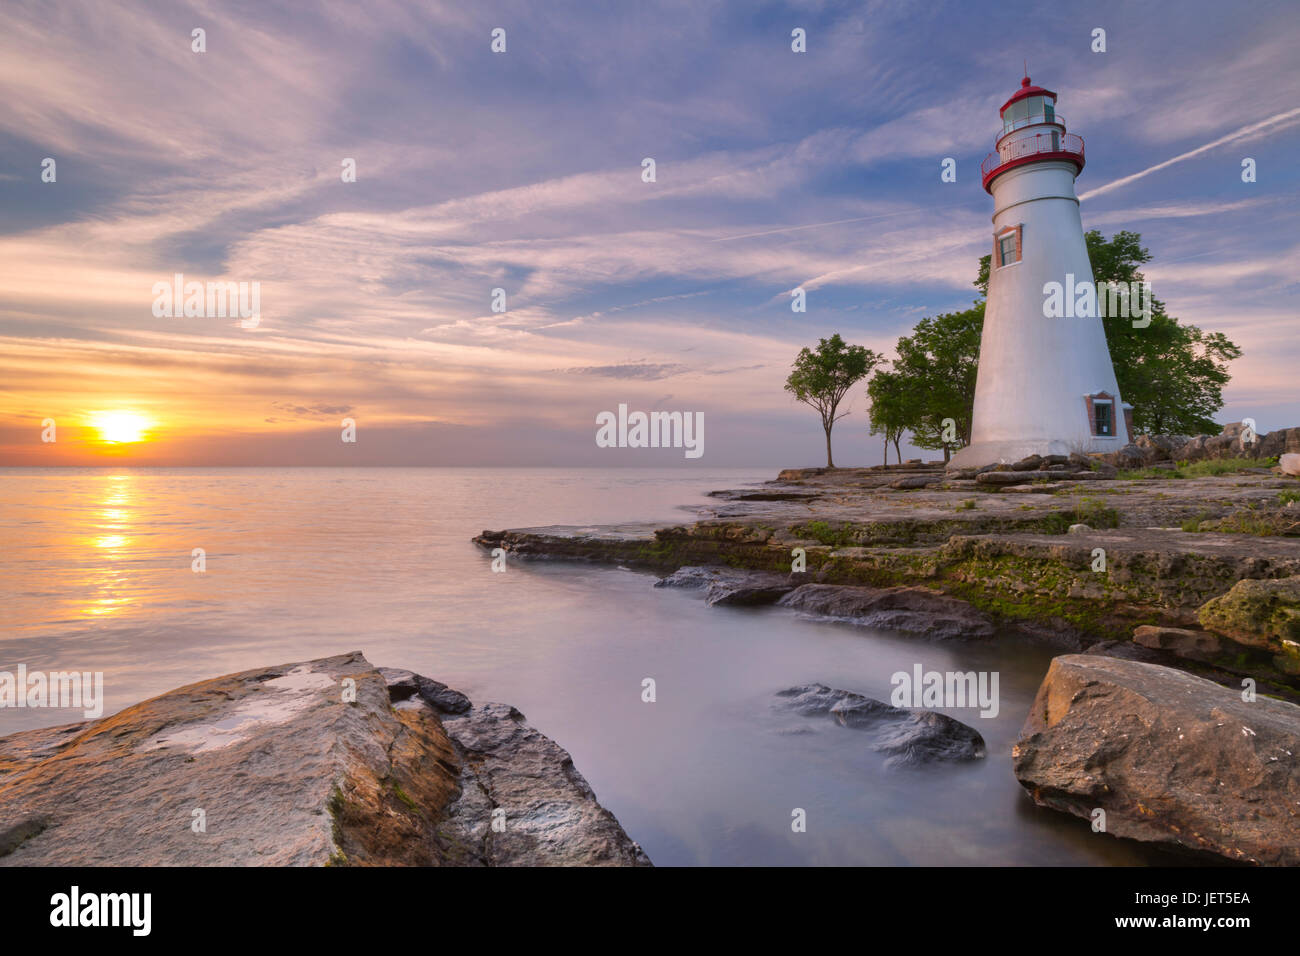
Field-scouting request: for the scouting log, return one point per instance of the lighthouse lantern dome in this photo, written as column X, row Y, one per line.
column 1028, row 106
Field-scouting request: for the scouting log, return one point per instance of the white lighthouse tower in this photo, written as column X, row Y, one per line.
column 1046, row 385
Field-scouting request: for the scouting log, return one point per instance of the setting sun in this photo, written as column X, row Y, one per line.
column 120, row 427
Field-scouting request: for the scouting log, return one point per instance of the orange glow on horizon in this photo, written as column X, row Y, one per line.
column 120, row 427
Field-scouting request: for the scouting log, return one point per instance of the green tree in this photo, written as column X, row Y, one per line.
column 939, row 362
column 1172, row 374
column 892, row 409
column 822, row 378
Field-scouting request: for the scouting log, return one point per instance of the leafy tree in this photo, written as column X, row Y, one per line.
column 1172, row 374
column 939, row 362
column 823, row 377
column 892, row 409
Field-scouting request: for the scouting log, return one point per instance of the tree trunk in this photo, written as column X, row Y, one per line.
column 947, row 455
column 829, row 462
column 898, row 453
column 886, row 451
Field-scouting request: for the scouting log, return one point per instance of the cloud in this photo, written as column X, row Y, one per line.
column 1265, row 127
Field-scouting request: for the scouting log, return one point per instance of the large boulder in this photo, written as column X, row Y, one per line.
column 1260, row 613
column 328, row 762
column 1170, row 758
column 906, row 737
column 914, row 609
column 1290, row 464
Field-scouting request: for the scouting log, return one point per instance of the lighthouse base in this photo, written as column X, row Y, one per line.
column 981, row 453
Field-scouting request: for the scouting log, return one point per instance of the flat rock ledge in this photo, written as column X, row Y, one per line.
column 280, row 766
column 1171, row 758
column 908, row 738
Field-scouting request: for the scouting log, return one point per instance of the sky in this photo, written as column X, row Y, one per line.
column 523, row 171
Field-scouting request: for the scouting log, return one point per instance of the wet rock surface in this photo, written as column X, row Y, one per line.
column 906, row 737
column 284, row 770
column 914, row 609
column 1171, row 758
column 727, row 586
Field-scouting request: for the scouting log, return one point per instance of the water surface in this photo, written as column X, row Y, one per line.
column 95, row 575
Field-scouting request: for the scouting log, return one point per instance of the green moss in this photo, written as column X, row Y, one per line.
column 402, row 795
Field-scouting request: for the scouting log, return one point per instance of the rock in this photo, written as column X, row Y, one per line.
column 289, row 773
column 1130, row 456
column 907, row 737
column 1050, row 460
column 1080, row 461
column 1154, row 448
column 917, row 481
column 1260, row 613
column 1290, row 464
column 732, row 587
column 1195, row 645
column 1107, row 470
column 914, row 609
column 1171, row 758
column 1031, row 463
column 1003, row 477
column 1079, row 529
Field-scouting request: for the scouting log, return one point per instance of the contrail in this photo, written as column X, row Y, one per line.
column 1244, row 131
column 811, row 225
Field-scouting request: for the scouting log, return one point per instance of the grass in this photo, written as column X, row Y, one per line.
column 1252, row 519
column 1288, row 497
column 1198, row 469
column 1090, row 511
column 967, row 505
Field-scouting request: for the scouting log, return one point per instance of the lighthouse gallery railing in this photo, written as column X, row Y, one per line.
column 1013, row 150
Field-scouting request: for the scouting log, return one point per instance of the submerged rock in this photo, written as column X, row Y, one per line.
column 907, row 737
column 729, row 586
column 330, row 761
column 915, row 609
column 1171, row 758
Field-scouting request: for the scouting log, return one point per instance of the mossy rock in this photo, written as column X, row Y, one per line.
column 1259, row 613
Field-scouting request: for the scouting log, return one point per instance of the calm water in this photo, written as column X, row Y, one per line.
column 301, row 563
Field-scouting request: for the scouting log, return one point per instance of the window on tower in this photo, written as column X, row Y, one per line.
column 1101, row 418
column 1007, row 249
column 1006, row 246
column 1101, row 414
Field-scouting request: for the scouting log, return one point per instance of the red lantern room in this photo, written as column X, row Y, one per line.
column 1032, row 131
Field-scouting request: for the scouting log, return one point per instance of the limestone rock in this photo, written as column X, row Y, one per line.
column 907, row 737
column 1290, row 464
column 1171, row 758
column 1003, row 477
column 1260, row 613
column 914, row 609
column 288, row 770
column 916, row 481
column 729, row 586
column 1184, row 642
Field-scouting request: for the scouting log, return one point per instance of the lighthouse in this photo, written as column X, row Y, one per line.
column 1045, row 386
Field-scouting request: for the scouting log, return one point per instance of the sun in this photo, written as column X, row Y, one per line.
column 119, row 428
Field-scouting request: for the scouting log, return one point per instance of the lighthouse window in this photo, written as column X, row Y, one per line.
column 1007, row 249
column 1101, row 418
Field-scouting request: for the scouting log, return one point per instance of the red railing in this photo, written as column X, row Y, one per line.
column 1039, row 143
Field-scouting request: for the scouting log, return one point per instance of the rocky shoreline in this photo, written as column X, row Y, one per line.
column 1173, row 585
column 331, row 762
